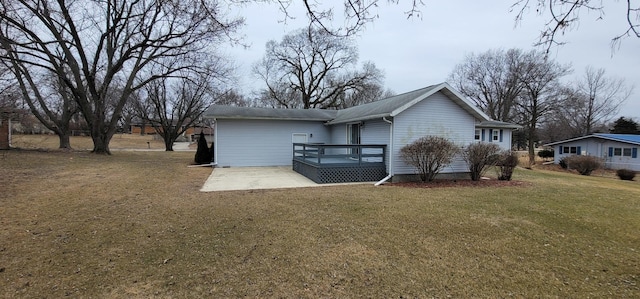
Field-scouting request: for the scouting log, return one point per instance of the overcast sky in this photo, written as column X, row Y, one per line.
column 417, row 52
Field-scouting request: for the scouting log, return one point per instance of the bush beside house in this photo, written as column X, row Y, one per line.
column 546, row 154
column 585, row 165
column 626, row 174
column 506, row 163
column 428, row 155
column 480, row 156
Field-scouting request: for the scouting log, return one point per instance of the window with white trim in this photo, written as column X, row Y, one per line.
column 496, row 135
column 477, row 135
column 622, row 151
column 570, row 150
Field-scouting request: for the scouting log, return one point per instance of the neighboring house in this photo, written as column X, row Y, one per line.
column 339, row 144
column 5, row 131
column 189, row 134
column 617, row 150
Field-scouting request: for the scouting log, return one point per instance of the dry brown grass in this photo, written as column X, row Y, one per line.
column 118, row 142
column 134, row 225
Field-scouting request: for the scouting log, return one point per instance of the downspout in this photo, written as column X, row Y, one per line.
column 215, row 143
column 390, row 152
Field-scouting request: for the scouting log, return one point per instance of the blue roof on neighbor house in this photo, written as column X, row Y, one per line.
column 622, row 137
column 626, row 138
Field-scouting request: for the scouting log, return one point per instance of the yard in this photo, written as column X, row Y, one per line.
column 118, row 142
column 135, row 225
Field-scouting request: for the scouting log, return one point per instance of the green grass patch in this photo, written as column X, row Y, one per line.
column 135, row 225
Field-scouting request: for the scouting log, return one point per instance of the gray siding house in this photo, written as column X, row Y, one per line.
column 616, row 150
column 266, row 137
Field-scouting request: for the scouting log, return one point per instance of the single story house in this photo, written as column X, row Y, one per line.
column 617, row 150
column 360, row 143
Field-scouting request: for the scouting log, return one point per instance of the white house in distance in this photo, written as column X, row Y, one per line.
column 617, row 150
column 360, row 143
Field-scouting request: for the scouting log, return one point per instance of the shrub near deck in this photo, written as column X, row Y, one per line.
column 134, row 225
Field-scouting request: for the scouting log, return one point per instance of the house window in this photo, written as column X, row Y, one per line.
column 496, row 135
column 477, row 135
column 570, row 150
column 617, row 151
column 622, row 151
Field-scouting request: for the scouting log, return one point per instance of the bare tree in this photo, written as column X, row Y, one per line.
column 231, row 98
column 563, row 120
column 171, row 106
column 539, row 78
column 491, row 80
column 312, row 69
column 8, row 89
column 602, row 97
column 586, row 106
column 48, row 99
column 95, row 47
column 366, row 93
column 565, row 15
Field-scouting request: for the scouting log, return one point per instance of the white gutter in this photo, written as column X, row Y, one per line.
column 384, row 118
column 215, row 142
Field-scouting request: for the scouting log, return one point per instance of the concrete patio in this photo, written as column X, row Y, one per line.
column 251, row 178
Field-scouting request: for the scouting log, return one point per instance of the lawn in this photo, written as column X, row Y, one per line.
column 135, row 225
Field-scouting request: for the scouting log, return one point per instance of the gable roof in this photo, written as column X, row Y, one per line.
column 394, row 105
column 388, row 107
column 231, row 112
column 625, row 138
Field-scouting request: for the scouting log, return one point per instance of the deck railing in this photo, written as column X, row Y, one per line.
column 337, row 154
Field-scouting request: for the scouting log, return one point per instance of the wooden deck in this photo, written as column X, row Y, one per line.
column 340, row 163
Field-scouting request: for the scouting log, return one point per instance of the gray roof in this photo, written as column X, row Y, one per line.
column 394, row 105
column 626, row 138
column 221, row 111
column 388, row 107
column 497, row 124
column 378, row 109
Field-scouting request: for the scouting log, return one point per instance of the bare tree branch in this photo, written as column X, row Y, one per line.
column 313, row 69
column 565, row 14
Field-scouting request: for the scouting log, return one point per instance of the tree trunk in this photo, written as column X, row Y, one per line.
column 532, row 153
column 100, row 142
column 64, row 140
column 531, row 146
column 168, row 144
